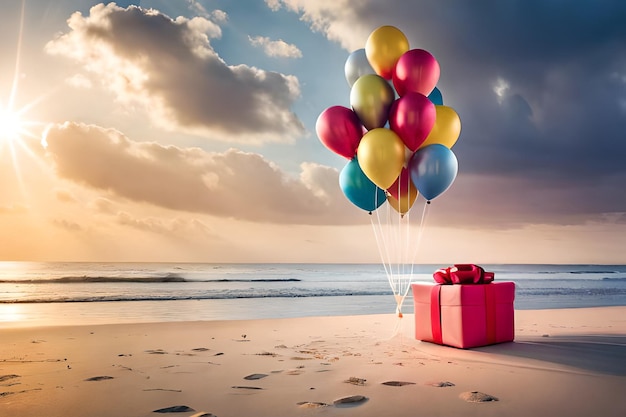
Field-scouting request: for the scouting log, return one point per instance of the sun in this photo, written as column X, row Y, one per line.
column 11, row 125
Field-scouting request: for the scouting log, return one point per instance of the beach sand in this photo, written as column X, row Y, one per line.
column 569, row 362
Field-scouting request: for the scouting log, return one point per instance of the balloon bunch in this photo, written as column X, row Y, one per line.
column 397, row 134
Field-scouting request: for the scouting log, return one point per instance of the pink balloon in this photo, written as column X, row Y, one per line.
column 402, row 184
column 416, row 70
column 412, row 117
column 340, row 130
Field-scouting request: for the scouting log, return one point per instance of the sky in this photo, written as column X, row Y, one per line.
column 184, row 131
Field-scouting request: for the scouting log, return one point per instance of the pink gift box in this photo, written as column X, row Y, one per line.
column 464, row 316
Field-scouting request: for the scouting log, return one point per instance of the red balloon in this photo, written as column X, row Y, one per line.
column 416, row 70
column 340, row 130
column 412, row 117
column 402, row 186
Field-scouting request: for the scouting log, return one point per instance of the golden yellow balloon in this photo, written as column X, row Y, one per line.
column 381, row 156
column 384, row 47
column 405, row 201
column 446, row 130
column 371, row 98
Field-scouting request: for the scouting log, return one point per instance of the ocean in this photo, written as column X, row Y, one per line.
column 34, row 293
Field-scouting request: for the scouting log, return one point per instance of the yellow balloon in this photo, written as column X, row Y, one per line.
column 384, row 47
column 405, row 201
column 371, row 98
column 381, row 156
column 446, row 130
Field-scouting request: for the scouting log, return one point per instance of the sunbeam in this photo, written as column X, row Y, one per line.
column 10, row 124
column 15, row 126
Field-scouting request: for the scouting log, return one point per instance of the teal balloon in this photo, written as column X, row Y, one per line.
column 371, row 98
column 358, row 189
column 433, row 169
column 436, row 97
column 356, row 66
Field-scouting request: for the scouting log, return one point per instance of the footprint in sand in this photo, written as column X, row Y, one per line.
column 156, row 352
column 7, row 377
column 99, row 378
column 310, row 404
column 398, row 383
column 264, row 353
column 174, row 409
column 477, row 397
column 441, row 384
column 350, row 401
column 253, row 377
column 356, row 381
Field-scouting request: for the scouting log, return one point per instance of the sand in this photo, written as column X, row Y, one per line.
column 569, row 362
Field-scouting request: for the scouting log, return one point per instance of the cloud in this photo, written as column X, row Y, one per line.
column 277, row 48
column 13, row 209
column 65, row 196
column 174, row 227
column 542, row 110
column 103, row 206
column 342, row 22
column 67, row 225
column 232, row 184
column 273, row 4
column 218, row 16
column 169, row 67
column 79, row 81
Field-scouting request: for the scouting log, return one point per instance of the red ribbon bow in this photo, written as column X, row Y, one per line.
column 463, row 274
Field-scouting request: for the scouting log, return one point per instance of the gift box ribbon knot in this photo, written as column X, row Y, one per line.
column 463, row 274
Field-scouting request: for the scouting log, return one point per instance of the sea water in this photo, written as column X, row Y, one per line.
column 33, row 293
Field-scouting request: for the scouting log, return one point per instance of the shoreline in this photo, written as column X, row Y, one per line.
column 569, row 362
column 16, row 315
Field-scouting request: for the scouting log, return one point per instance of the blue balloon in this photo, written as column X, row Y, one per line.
column 356, row 66
column 359, row 189
column 433, row 169
column 436, row 97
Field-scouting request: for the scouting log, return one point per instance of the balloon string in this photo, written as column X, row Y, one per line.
column 401, row 260
column 404, row 284
column 398, row 327
column 407, row 233
column 407, row 282
column 386, row 234
column 398, row 240
column 396, row 234
column 404, row 243
column 401, row 240
column 420, row 232
column 378, row 243
column 390, row 246
column 378, row 235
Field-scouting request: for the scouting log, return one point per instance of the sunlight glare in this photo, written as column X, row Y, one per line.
column 11, row 313
column 11, row 125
